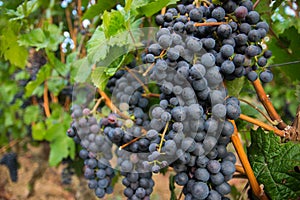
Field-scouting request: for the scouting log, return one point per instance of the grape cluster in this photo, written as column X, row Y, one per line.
column 10, row 161
column 196, row 48
column 85, row 130
column 235, row 42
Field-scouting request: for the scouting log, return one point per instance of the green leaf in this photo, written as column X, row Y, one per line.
column 298, row 93
column 49, row 37
column 31, row 114
column 38, row 131
column 264, row 9
column 35, row 38
column 10, row 49
column 60, row 148
column 286, row 49
column 99, row 8
column 172, row 187
column 155, row 6
column 23, row 10
column 56, row 84
column 60, row 67
column 234, row 87
column 41, row 76
column 99, row 77
column 83, row 70
column 128, row 5
column 53, row 132
column 139, row 3
column 273, row 164
column 97, row 46
column 101, row 74
column 54, row 36
column 113, row 23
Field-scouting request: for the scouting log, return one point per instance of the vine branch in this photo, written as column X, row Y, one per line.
column 260, row 111
column 46, row 100
column 246, row 164
column 262, row 124
column 265, row 100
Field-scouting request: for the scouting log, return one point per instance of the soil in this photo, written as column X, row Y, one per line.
column 38, row 181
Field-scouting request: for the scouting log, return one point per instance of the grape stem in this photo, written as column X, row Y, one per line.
column 46, row 100
column 151, row 95
column 240, row 169
column 148, row 69
column 265, row 100
column 132, row 141
column 262, row 125
column 138, row 80
column 96, row 105
column 205, row 1
column 257, row 190
column 274, row 123
column 152, row 65
column 163, row 137
column 180, row 195
column 209, row 24
column 256, row 4
column 9, row 145
column 111, row 106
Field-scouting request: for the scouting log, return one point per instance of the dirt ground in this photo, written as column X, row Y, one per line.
column 38, row 181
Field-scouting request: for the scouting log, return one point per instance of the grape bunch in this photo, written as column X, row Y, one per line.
column 85, row 130
column 189, row 124
column 236, row 40
column 10, row 161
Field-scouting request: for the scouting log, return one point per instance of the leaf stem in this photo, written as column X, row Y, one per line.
column 246, row 164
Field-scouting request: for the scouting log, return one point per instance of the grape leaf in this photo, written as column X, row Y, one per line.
column 273, row 164
column 172, row 187
column 99, row 8
column 31, row 114
column 61, row 148
column 113, row 22
column 60, row 67
column 48, row 37
column 10, row 49
column 154, row 6
column 41, row 76
column 97, row 46
column 102, row 73
column 286, row 49
column 23, row 10
column 138, row 3
column 264, row 9
column 38, row 131
column 99, row 77
column 83, row 70
column 234, row 87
